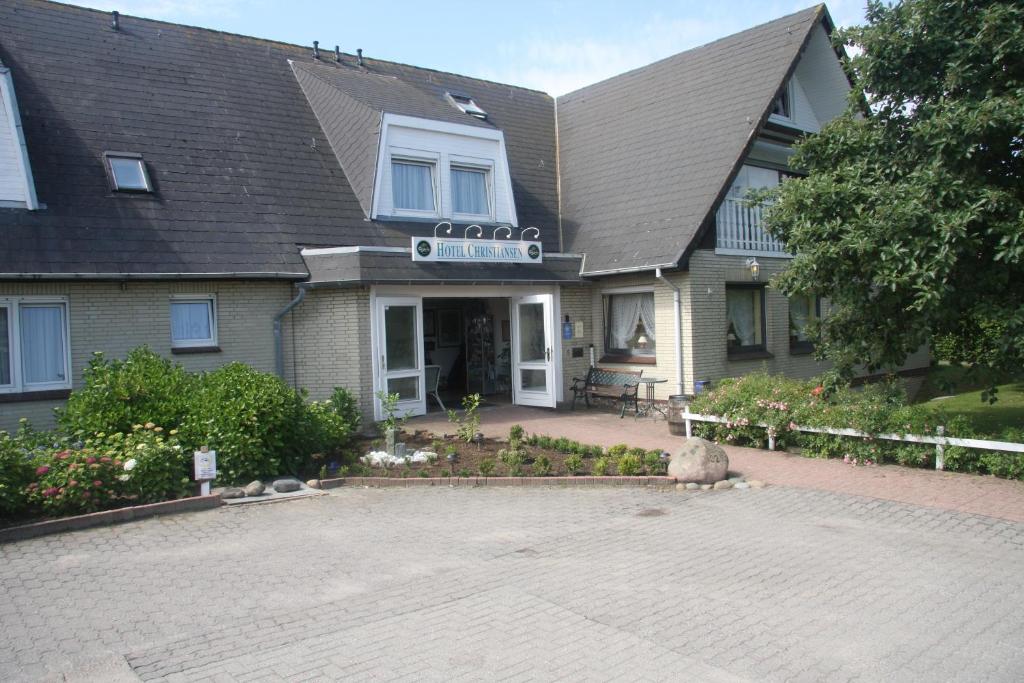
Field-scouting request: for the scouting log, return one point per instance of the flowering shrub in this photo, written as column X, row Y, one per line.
column 782, row 404
column 75, row 480
column 155, row 465
column 21, row 454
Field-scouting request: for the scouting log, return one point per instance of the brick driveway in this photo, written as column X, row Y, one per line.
column 439, row 583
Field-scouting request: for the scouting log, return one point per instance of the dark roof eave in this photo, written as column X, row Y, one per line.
column 156, row 276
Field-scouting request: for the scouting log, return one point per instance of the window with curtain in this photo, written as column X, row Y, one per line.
column 745, row 322
column 412, row 186
column 44, row 352
column 193, row 323
column 629, row 324
column 469, row 191
column 804, row 310
column 6, row 355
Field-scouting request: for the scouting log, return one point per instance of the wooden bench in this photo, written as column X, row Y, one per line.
column 620, row 385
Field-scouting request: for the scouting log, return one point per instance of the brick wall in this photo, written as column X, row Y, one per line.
column 328, row 345
column 104, row 317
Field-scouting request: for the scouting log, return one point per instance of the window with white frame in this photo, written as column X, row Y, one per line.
column 34, row 350
column 413, row 186
column 127, row 172
column 629, row 324
column 745, row 319
column 782, row 107
column 193, row 322
column 470, row 191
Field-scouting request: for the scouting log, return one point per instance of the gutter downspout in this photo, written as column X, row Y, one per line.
column 677, row 304
column 278, row 342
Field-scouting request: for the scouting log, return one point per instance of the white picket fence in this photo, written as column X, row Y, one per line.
column 939, row 440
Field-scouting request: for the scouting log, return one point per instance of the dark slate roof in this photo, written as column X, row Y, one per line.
column 646, row 155
column 242, row 169
column 370, row 267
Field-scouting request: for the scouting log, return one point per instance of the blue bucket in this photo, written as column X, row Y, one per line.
column 701, row 386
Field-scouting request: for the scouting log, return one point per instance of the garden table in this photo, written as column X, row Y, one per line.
column 649, row 405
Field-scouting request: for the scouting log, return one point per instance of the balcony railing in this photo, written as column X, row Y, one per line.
column 739, row 231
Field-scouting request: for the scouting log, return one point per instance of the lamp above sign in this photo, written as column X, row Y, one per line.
column 476, row 250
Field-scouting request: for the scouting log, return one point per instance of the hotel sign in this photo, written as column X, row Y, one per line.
column 475, row 250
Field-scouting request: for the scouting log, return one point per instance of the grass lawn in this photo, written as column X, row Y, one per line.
column 992, row 419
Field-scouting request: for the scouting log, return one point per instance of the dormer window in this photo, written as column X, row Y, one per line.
column 466, row 105
column 783, row 105
column 127, row 172
column 413, row 188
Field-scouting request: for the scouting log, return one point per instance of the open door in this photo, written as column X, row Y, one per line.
column 399, row 323
column 533, row 351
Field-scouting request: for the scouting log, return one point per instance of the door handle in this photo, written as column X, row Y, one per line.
column 547, row 353
column 383, row 365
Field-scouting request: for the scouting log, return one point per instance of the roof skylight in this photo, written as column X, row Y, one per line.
column 466, row 105
column 127, row 172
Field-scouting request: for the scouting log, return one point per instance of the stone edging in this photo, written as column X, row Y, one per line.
column 53, row 526
column 409, row 482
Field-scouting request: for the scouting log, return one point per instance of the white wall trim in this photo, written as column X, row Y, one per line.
column 14, row 121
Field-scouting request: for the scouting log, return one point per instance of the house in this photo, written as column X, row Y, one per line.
column 345, row 221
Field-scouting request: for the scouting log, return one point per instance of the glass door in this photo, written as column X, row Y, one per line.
column 533, row 354
column 400, row 353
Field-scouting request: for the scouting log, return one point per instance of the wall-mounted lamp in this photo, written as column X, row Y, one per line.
column 755, row 269
column 642, row 341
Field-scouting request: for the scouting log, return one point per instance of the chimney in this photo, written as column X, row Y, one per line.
column 337, row 54
column 115, row 20
column 359, row 56
column 316, row 49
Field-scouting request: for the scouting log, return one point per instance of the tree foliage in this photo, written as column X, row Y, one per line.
column 911, row 217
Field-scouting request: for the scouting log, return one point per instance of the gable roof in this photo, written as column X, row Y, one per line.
column 243, row 172
column 645, row 156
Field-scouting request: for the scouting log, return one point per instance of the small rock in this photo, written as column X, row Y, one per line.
column 693, row 486
column 286, row 485
column 313, row 483
column 756, row 484
column 680, row 487
column 705, row 487
column 723, row 485
column 232, row 492
column 255, row 488
column 741, row 485
column 736, row 480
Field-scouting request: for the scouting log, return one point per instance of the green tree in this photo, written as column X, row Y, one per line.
column 911, row 217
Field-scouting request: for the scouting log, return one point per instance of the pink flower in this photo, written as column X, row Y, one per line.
column 105, row 459
column 63, row 455
column 85, row 495
column 41, row 470
column 52, row 491
column 816, row 391
column 90, row 460
column 793, row 426
column 73, row 482
column 97, row 483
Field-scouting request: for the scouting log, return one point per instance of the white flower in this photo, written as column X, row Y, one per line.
column 125, row 477
column 130, row 465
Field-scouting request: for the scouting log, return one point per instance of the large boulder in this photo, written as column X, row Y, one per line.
column 699, row 461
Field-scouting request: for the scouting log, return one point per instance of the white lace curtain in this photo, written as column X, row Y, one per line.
column 42, row 344
column 626, row 310
column 740, row 307
column 469, row 192
column 412, row 186
column 799, row 315
column 190, row 321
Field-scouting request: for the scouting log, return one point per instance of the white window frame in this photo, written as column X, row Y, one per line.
column 789, row 118
column 605, row 318
column 420, row 158
column 211, row 301
column 472, row 164
column 13, row 306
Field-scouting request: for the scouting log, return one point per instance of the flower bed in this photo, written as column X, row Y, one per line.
column 520, row 456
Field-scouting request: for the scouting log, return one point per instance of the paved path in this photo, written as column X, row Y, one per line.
column 524, row 584
column 970, row 493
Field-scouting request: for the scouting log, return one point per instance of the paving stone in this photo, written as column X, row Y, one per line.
column 401, row 584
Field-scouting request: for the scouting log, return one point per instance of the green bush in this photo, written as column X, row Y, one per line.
column 252, row 419
column 601, row 466
column 117, row 394
column 542, row 466
column 618, row 450
column 628, row 465
column 516, row 433
column 573, row 464
column 653, row 464
column 155, row 463
column 20, row 454
column 347, row 406
column 486, row 467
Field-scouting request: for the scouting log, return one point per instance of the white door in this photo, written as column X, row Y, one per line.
column 533, row 351
column 399, row 323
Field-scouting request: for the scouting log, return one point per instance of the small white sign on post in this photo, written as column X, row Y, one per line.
column 205, row 468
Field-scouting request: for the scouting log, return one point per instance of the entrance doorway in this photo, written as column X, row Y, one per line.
column 501, row 347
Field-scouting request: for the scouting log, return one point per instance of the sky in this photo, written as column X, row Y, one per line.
column 556, row 46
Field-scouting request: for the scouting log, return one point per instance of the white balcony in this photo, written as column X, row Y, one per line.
column 739, row 231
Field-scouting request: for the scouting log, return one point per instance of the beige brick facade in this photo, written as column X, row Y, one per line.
column 109, row 317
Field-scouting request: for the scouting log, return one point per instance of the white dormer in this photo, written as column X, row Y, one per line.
column 17, row 189
column 435, row 170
